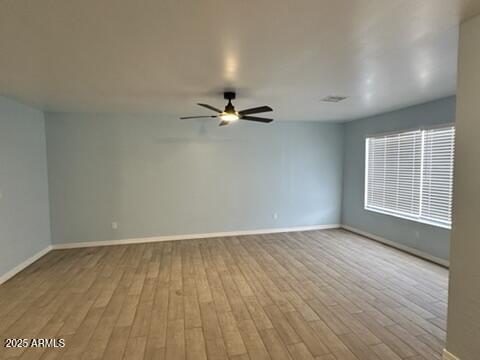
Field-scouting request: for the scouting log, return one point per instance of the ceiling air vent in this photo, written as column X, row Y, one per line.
column 334, row 98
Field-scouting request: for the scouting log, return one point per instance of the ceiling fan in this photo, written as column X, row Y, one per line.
column 230, row 115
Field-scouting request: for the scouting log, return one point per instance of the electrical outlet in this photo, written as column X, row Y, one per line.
column 275, row 216
column 114, row 225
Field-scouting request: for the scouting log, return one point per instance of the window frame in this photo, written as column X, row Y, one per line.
column 399, row 214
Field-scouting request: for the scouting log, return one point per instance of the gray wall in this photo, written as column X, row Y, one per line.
column 24, row 215
column 429, row 239
column 463, row 330
column 161, row 176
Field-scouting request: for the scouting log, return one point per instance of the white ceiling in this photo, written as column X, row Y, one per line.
column 163, row 56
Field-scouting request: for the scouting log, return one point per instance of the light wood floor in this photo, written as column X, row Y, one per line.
column 322, row 295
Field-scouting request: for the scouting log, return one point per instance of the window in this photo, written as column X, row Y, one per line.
column 410, row 175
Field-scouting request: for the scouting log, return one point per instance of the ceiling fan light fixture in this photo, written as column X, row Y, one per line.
column 229, row 116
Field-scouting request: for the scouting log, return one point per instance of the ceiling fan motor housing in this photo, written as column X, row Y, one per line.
column 229, row 95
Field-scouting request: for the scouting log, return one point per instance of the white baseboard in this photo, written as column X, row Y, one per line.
column 41, row 253
column 398, row 246
column 35, row 257
column 449, row 356
column 23, row 265
column 192, row 236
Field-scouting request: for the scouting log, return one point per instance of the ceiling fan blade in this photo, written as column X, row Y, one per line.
column 256, row 118
column 223, row 123
column 210, row 107
column 255, row 110
column 197, row 117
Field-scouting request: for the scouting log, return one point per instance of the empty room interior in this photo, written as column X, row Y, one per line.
column 240, row 180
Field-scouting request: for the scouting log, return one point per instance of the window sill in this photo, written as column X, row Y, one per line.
column 405, row 217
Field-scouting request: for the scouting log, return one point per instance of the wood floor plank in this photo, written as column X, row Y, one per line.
column 231, row 335
column 211, row 326
column 195, row 344
column 135, row 348
column 117, row 343
column 299, row 351
column 153, row 349
column 336, row 346
column 274, row 344
column 281, row 325
column 326, row 357
column 253, row 342
column 175, row 347
column 419, row 346
column 385, row 353
column 216, row 349
column 307, row 334
column 399, row 346
column 358, row 347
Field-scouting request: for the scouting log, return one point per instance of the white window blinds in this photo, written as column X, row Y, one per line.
column 437, row 179
column 410, row 175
